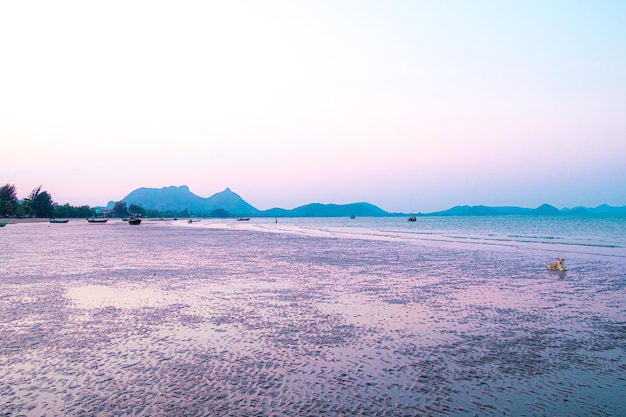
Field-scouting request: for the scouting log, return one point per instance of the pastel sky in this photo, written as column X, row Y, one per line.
column 409, row 105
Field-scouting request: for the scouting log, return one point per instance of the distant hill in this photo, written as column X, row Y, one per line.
column 542, row 210
column 329, row 210
column 467, row 211
column 606, row 209
column 231, row 202
column 181, row 198
column 166, row 198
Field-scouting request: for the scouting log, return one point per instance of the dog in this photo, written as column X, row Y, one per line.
column 559, row 265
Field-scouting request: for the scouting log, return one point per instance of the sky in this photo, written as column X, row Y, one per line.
column 414, row 106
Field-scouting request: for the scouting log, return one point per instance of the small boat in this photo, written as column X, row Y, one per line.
column 352, row 216
column 243, row 219
column 412, row 218
column 97, row 220
column 134, row 221
column 4, row 223
column 53, row 220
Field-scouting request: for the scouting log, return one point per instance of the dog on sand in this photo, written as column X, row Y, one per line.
column 559, row 265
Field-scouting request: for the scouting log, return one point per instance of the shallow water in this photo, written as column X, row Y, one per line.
column 313, row 316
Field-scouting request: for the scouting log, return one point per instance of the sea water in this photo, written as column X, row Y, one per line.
column 576, row 234
column 365, row 316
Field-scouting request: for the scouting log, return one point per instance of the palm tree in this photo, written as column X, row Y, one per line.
column 40, row 203
column 8, row 200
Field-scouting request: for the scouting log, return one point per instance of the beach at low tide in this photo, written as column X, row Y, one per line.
column 171, row 318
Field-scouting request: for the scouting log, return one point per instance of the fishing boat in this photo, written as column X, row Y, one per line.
column 412, row 218
column 53, row 220
column 352, row 216
column 4, row 223
column 97, row 220
column 134, row 221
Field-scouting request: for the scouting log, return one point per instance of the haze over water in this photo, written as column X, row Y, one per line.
column 455, row 316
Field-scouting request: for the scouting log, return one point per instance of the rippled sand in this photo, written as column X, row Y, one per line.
column 160, row 320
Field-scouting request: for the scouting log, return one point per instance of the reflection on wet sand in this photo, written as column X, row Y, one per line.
column 237, row 322
column 101, row 296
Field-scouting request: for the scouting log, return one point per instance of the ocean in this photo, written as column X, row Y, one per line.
column 443, row 316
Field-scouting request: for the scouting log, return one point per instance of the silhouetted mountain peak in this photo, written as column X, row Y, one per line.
column 227, row 201
column 547, row 209
column 542, row 210
column 226, row 193
column 180, row 198
column 330, row 210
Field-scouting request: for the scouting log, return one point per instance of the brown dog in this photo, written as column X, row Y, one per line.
column 559, row 265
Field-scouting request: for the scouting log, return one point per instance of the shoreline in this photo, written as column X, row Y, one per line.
column 28, row 220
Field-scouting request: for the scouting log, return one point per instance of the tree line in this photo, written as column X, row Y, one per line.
column 39, row 203
column 121, row 209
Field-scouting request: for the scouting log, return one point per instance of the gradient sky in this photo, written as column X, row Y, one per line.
column 409, row 105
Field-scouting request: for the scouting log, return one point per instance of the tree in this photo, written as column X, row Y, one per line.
column 40, row 203
column 120, row 209
column 84, row 211
column 8, row 200
column 65, row 211
column 68, row 211
column 135, row 209
column 219, row 213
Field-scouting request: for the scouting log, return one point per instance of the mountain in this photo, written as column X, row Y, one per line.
column 180, row 198
column 466, row 211
column 231, row 202
column 166, row 198
column 546, row 210
column 542, row 210
column 606, row 209
column 329, row 210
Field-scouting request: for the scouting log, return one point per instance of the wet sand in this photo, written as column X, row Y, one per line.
column 29, row 220
column 180, row 321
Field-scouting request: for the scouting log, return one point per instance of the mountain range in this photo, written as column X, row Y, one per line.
column 181, row 198
column 230, row 204
column 542, row 210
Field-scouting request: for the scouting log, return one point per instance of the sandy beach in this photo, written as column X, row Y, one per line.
column 162, row 320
